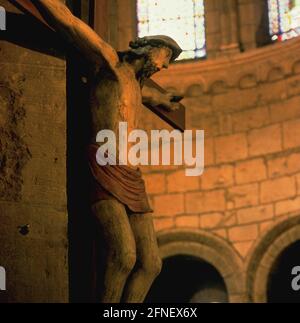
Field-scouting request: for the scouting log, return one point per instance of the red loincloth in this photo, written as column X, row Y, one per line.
column 125, row 183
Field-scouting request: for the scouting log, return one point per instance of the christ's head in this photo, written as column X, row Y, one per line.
column 154, row 53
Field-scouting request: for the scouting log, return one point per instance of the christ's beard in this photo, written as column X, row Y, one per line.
column 148, row 70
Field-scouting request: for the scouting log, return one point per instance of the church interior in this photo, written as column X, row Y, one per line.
column 231, row 235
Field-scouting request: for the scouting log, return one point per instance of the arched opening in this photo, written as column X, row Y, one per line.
column 280, row 288
column 187, row 279
column 269, row 269
column 197, row 265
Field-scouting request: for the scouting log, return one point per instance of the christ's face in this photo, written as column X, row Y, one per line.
column 158, row 58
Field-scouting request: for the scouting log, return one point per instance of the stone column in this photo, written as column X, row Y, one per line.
column 115, row 21
column 33, row 201
column 101, row 18
column 254, row 23
column 222, row 34
column 229, row 27
column 212, row 28
column 127, row 18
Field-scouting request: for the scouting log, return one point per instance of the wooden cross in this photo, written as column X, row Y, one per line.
column 174, row 118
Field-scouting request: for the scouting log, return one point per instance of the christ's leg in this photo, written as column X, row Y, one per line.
column 148, row 264
column 117, row 239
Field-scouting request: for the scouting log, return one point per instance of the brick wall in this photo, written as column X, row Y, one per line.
column 249, row 107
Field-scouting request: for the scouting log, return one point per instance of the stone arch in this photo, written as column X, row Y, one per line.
column 275, row 74
column 172, row 89
column 264, row 254
column 194, row 90
column 248, row 81
column 218, row 87
column 210, row 248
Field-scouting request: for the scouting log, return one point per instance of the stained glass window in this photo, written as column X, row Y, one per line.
column 284, row 16
column 183, row 20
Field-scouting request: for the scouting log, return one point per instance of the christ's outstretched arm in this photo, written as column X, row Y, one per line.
column 154, row 97
column 77, row 32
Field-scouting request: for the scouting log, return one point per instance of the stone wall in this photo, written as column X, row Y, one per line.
column 249, row 107
column 33, row 210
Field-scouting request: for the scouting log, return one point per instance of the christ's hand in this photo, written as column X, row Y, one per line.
column 156, row 98
column 170, row 102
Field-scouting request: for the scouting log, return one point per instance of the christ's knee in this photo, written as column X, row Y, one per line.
column 122, row 261
column 150, row 266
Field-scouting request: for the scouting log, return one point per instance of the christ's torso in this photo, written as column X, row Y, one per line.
column 115, row 97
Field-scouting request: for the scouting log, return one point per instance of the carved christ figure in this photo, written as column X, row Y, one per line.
column 119, row 201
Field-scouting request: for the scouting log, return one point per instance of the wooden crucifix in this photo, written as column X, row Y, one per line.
column 119, row 86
